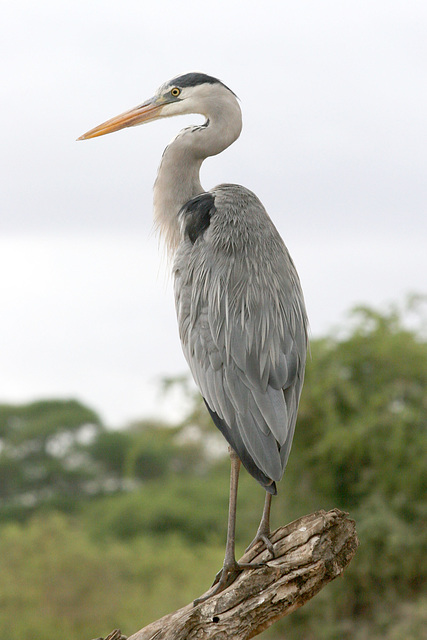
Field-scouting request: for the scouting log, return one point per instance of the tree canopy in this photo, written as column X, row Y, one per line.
column 92, row 520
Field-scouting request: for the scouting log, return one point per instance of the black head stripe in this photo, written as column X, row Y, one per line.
column 193, row 79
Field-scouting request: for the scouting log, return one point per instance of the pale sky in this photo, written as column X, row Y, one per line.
column 334, row 101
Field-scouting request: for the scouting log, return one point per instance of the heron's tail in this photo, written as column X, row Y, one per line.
column 238, row 446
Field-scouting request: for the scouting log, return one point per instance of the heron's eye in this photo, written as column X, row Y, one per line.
column 175, row 92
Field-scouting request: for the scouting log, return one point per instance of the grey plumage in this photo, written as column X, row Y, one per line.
column 240, row 307
column 243, row 327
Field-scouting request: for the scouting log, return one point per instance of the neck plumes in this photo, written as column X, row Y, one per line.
column 178, row 177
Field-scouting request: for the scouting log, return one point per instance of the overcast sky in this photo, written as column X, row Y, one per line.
column 334, row 100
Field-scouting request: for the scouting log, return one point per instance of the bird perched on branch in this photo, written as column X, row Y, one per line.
column 240, row 308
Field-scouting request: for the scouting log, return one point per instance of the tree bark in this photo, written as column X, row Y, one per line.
column 309, row 553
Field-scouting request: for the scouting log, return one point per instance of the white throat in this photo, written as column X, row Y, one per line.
column 178, row 178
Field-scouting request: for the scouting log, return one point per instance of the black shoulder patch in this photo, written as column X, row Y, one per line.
column 197, row 214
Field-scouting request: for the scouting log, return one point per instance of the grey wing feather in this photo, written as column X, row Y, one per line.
column 243, row 326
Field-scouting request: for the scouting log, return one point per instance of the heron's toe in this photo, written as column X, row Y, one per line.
column 262, row 537
column 225, row 577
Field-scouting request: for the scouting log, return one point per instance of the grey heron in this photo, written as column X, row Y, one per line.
column 240, row 307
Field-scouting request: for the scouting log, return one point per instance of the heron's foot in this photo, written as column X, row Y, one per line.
column 263, row 536
column 226, row 576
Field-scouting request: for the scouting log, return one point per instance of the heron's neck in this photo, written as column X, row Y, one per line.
column 177, row 181
column 178, row 178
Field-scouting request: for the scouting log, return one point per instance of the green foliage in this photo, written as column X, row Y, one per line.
column 150, row 501
column 361, row 445
column 145, row 451
column 58, row 582
column 110, row 448
column 195, row 508
column 40, row 458
column 155, row 453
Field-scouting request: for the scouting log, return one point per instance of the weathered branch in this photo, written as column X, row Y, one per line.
column 310, row 552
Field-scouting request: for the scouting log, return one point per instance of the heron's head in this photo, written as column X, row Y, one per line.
column 189, row 93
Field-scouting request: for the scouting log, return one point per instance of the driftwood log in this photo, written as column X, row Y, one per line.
column 309, row 553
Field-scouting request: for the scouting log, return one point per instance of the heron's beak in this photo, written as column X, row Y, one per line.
column 146, row 112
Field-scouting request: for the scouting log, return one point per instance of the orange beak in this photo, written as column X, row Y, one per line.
column 146, row 112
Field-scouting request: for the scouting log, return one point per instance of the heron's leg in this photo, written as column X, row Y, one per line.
column 230, row 558
column 263, row 533
column 230, row 568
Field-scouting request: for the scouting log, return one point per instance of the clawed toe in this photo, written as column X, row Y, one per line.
column 225, row 577
column 231, row 568
column 262, row 537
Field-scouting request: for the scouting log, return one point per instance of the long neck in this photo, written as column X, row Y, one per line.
column 177, row 181
column 178, row 178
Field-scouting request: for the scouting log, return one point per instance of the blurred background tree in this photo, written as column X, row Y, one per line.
column 103, row 528
column 41, row 458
